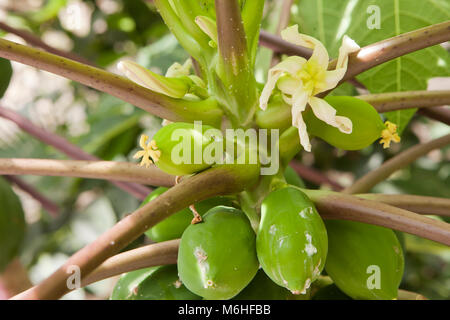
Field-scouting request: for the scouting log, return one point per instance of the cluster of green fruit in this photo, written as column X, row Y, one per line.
column 220, row 258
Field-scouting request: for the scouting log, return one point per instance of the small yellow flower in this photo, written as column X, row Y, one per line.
column 300, row 80
column 149, row 152
column 389, row 134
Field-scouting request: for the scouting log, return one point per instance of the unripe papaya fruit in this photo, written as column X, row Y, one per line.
column 263, row 288
column 293, row 178
column 292, row 239
column 217, row 258
column 186, row 148
column 157, row 283
column 364, row 261
column 174, row 226
column 12, row 224
column 367, row 124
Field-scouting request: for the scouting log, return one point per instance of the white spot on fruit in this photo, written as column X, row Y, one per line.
column 200, row 254
column 310, row 249
column 306, row 287
column 177, row 284
column 272, row 229
column 305, row 212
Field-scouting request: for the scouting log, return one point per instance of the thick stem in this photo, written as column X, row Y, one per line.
column 66, row 147
column 156, row 254
column 237, row 88
column 385, row 102
column 367, row 182
column 36, row 41
column 118, row 86
column 418, row 204
column 333, row 205
column 216, row 181
column 51, row 207
column 108, row 170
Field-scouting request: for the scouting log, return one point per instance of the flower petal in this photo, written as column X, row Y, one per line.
column 320, row 54
column 289, row 65
column 289, row 85
column 348, row 46
column 332, row 79
column 143, row 141
column 302, row 133
column 299, row 101
column 325, row 112
column 172, row 87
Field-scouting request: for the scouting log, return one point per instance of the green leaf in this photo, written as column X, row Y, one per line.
column 5, row 75
column 12, row 224
column 330, row 20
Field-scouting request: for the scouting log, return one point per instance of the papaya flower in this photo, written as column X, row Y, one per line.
column 149, row 152
column 300, row 80
column 389, row 134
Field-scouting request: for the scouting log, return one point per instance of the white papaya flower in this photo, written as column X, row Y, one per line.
column 300, row 80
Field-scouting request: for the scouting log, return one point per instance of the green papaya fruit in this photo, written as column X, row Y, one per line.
column 293, row 178
column 217, row 258
column 367, row 123
column 330, row 292
column 263, row 288
column 12, row 224
column 185, row 148
column 364, row 261
column 174, row 226
column 292, row 240
column 158, row 283
column 125, row 288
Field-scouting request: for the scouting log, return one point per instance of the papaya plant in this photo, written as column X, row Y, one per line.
column 230, row 218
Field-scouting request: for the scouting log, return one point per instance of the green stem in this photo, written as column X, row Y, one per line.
column 237, row 86
column 118, row 86
column 391, row 101
column 178, row 29
column 333, row 205
column 367, row 182
column 156, row 254
column 220, row 180
column 252, row 15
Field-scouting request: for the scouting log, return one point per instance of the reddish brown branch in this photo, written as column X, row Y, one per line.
column 45, row 202
column 37, row 42
column 314, row 176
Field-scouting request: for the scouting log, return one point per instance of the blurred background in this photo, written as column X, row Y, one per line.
column 105, row 31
